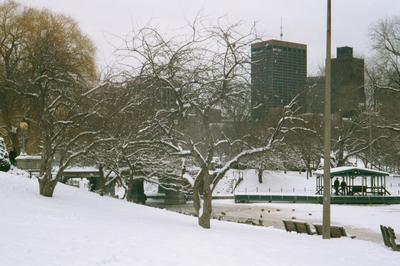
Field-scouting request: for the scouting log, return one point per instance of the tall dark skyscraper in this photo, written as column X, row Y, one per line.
column 278, row 73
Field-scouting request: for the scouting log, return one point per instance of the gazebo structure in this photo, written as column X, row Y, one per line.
column 359, row 181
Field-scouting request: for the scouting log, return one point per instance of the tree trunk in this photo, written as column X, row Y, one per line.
column 136, row 191
column 309, row 169
column 110, row 189
column 101, row 181
column 47, row 186
column 46, row 182
column 365, row 162
column 204, row 219
column 196, row 194
column 260, row 175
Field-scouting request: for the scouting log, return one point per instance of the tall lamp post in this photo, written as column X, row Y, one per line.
column 24, row 131
column 326, row 212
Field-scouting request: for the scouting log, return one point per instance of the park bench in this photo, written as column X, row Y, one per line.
column 297, row 226
column 389, row 238
column 303, row 228
column 336, row 231
column 289, row 225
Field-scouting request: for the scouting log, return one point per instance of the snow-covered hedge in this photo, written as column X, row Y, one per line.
column 4, row 160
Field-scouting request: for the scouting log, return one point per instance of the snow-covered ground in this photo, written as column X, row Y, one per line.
column 360, row 220
column 278, row 182
column 77, row 227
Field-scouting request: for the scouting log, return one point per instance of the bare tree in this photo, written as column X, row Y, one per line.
column 384, row 79
column 384, row 72
column 201, row 73
column 135, row 153
column 349, row 138
column 308, row 143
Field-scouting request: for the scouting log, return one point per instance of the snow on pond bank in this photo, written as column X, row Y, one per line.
column 279, row 182
column 81, row 228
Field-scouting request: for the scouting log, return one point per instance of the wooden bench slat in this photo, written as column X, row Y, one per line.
column 303, row 228
column 289, row 225
column 336, row 231
column 385, row 236
column 392, row 239
column 297, row 226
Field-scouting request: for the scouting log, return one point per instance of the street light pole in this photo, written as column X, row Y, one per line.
column 326, row 213
column 24, row 130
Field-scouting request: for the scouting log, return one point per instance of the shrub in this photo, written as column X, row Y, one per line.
column 4, row 160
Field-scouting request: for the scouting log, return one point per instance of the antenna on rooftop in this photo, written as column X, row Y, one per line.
column 281, row 30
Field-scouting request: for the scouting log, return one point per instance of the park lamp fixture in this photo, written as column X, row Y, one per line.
column 23, row 125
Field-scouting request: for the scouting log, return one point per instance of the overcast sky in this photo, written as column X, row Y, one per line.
column 304, row 21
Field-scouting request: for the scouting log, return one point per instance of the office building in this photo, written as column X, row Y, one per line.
column 278, row 74
column 347, row 86
column 348, row 95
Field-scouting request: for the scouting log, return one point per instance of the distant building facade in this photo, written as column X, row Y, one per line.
column 347, row 85
column 278, row 74
column 347, row 82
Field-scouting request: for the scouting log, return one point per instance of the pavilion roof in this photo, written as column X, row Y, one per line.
column 353, row 171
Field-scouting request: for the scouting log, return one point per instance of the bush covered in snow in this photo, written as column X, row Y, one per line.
column 4, row 160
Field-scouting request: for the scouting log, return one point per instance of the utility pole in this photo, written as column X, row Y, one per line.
column 370, row 139
column 326, row 212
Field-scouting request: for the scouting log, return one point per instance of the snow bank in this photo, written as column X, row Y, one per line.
column 81, row 228
column 278, row 182
column 274, row 182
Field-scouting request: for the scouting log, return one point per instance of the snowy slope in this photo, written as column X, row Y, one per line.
column 278, row 182
column 81, row 228
column 274, row 182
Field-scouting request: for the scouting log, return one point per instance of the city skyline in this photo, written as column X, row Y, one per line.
column 109, row 21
